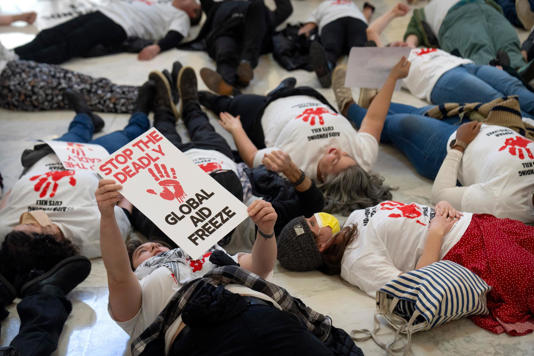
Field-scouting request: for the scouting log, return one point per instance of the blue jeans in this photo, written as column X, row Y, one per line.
column 81, row 130
column 477, row 83
column 422, row 139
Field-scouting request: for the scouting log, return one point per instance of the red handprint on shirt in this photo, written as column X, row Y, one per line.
column 410, row 211
column 311, row 115
column 196, row 265
column 172, row 189
column 516, row 146
column 423, row 51
column 46, row 180
column 210, row 167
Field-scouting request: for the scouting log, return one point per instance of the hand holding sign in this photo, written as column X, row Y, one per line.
column 107, row 196
column 263, row 215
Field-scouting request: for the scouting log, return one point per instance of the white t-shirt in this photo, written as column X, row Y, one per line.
column 331, row 10
column 497, row 168
column 67, row 196
column 211, row 160
column 5, row 56
column 436, row 11
column 147, row 20
column 428, row 65
column 391, row 238
column 305, row 128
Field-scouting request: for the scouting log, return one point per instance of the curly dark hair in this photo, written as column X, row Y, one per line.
column 24, row 256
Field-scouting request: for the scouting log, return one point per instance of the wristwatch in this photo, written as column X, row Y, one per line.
column 456, row 142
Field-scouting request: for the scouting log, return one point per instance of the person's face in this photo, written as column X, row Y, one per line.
column 333, row 162
column 145, row 251
column 38, row 222
column 323, row 235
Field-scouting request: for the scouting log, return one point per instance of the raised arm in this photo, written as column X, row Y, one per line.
column 247, row 150
column 124, row 288
column 444, row 187
column 376, row 27
column 373, row 122
column 263, row 256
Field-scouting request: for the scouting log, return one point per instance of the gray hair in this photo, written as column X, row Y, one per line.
column 353, row 189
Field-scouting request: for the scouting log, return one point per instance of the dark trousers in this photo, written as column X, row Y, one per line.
column 42, row 317
column 73, row 38
column 259, row 330
column 339, row 36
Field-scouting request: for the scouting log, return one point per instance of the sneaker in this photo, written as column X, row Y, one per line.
column 145, row 97
column 320, row 64
column 287, row 83
column 245, row 73
column 208, row 100
column 163, row 96
column 79, row 105
column 342, row 94
column 525, row 14
column 366, row 97
column 215, row 82
column 188, row 86
column 7, row 292
column 65, row 275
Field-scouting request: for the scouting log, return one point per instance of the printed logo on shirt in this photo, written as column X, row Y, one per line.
column 341, row 2
column 410, row 211
column 49, row 181
column 369, row 212
column 167, row 180
column 313, row 115
column 423, row 51
column 196, row 265
column 517, row 146
column 210, row 167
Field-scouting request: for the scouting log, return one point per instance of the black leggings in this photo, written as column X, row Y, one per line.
column 73, row 38
column 339, row 36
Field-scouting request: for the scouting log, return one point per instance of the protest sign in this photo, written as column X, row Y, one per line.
column 74, row 155
column 369, row 67
column 189, row 206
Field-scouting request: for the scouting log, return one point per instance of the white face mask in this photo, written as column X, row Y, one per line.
column 325, row 219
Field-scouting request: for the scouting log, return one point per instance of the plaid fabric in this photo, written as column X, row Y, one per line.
column 503, row 111
column 320, row 325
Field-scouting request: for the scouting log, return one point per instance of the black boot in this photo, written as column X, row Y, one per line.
column 287, row 83
column 63, row 277
column 320, row 64
column 145, row 97
column 208, row 100
column 172, row 78
column 188, row 87
column 163, row 96
column 78, row 104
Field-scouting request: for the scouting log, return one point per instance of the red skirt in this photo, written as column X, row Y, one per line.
column 501, row 252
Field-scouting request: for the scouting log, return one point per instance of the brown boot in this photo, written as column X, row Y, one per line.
column 244, row 73
column 215, row 82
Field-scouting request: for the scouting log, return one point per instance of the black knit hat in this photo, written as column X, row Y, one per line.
column 297, row 249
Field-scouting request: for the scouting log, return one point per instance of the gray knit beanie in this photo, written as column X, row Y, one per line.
column 297, row 250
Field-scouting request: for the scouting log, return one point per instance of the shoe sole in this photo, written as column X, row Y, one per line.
column 178, row 86
column 525, row 14
column 215, row 82
column 10, row 289
column 54, row 269
column 245, row 73
column 161, row 76
column 320, row 64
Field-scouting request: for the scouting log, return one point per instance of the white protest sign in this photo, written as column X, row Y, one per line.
column 369, row 67
column 189, row 206
column 74, row 155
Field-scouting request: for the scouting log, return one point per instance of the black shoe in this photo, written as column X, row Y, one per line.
column 163, row 97
column 64, row 276
column 288, row 83
column 320, row 64
column 79, row 105
column 172, row 77
column 188, row 86
column 145, row 97
column 245, row 73
column 208, row 100
column 7, row 292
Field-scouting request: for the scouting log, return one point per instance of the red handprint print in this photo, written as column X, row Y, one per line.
column 311, row 115
column 77, row 149
column 516, row 146
column 410, row 211
column 424, row 51
column 55, row 176
column 172, row 189
column 196, row 265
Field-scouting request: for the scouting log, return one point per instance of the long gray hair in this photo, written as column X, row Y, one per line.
column 353, row 189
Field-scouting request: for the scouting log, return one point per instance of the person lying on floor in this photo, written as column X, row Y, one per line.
column 300, row 122
column 378, row 243
column 440, row 77
column 112, row 24
column 441, row 148
column 170, row 304
column 209, row 150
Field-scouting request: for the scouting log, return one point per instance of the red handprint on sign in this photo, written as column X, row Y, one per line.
column 48, row 178
column 410, row 211
column 210, row 167
column 196, row 265
column 516, row 146
column 311, row 115
column 172, row 189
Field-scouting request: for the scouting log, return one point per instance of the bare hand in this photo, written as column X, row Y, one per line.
column 401, row 69
column 467, row 132
column 149, row 52
column 306, row 29
column 28, row 17
column 229, row 122
column 442, row 224
column 445, row 208
column 400, row 9
column 107, row 196
column 277, row 161
column 399, row 44
column 263, row 215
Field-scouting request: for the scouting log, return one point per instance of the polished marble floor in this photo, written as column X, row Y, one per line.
column 90, row 331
